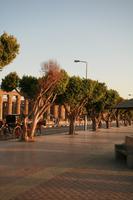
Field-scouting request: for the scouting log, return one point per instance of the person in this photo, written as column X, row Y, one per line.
column 1, row 123
column 5, row 129
column 38, row 128
column 56, row 122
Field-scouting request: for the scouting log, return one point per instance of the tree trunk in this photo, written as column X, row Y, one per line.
column 72, row 126
column 34, row 124
column 117, row 123
column 117, row 119
column 125, row 122
column 107, row 124
column 100, row 124
column 94, row 124
column 24, row 136
column 130, row 122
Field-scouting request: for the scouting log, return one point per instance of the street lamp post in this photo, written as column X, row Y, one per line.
column 86, row 64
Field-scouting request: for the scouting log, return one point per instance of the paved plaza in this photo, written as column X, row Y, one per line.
column 64, row 167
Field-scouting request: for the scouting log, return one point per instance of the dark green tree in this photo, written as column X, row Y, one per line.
column 9, row 48
column 111, row 99
column 95, row 105
column 29, row 87
column 10, row 82
column 74, row 99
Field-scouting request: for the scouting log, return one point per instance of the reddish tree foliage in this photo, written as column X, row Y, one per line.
column 46, row 95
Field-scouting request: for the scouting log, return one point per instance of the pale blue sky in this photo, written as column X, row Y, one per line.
column 98, row 31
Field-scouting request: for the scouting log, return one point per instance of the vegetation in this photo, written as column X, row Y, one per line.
column 79, row 96
column 74, row 98
column 111, row 99
column 95, row 104
column 41, row 92
column 9, row 48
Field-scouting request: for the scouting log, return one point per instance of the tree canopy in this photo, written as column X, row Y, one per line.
column 10, row 82
column 29, row 87
column 9, row 48
column 74, row 98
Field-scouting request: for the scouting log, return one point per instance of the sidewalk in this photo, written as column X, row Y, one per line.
column 63, row 167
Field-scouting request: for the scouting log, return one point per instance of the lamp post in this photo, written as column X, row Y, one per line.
column 86, row 64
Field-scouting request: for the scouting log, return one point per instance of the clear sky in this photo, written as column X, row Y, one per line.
column 97, row 31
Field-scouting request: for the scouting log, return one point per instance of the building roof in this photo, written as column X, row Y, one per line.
column 127, row 104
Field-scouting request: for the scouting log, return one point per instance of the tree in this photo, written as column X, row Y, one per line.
column 95, row 104
column 41, row 92
column 9, row 48
column 27, row 87
column 53, row 83
column 111, row 99
column 10, row 82
column 126, row 116
column 74, row 99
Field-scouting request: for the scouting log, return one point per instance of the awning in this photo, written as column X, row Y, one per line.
column 127, row 104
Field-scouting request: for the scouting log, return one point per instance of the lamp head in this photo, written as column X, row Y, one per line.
column 76, row 61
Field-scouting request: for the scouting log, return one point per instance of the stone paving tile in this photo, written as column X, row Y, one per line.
column 63, row 167
column 27, row 182
column 16, row 175
column 83, row 184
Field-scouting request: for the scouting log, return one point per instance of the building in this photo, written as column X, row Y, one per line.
column 13, row 103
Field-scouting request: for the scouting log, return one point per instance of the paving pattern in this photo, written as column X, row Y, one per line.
column 64, row 167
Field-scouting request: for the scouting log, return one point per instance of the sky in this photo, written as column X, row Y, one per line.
column 99, row 32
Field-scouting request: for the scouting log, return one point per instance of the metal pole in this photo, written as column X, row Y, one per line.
column 86, row 64
column 85, row 118
column 86, row 70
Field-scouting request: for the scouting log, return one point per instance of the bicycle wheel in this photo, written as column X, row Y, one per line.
column 17, row 132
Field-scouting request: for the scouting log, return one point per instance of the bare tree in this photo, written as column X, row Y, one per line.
column 47, row 92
